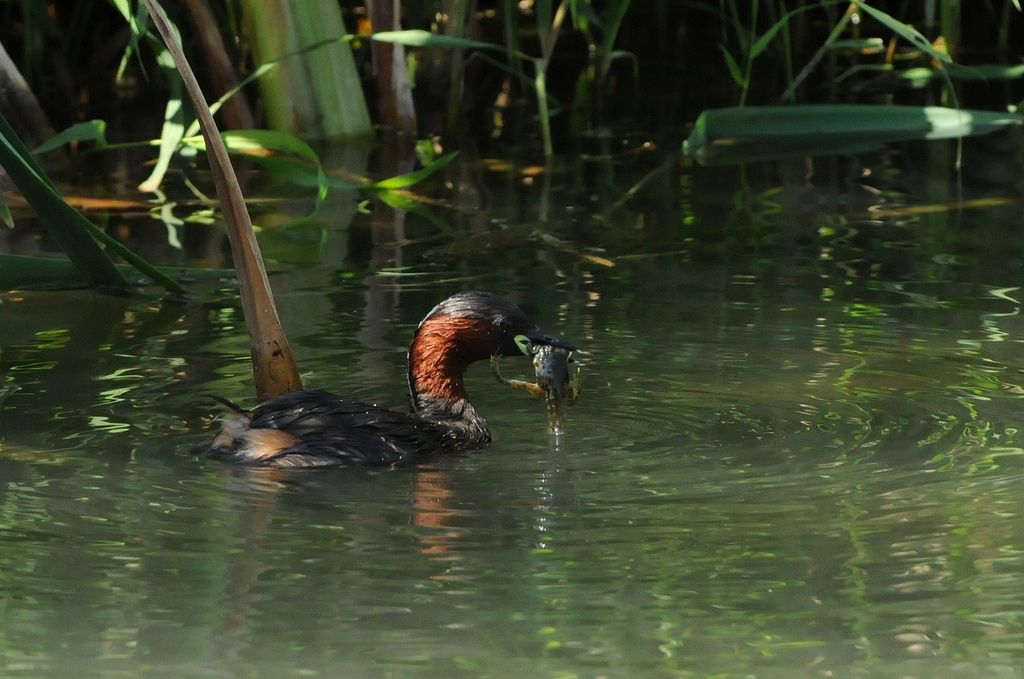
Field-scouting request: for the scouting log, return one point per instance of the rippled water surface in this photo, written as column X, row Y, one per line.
column 798, row 453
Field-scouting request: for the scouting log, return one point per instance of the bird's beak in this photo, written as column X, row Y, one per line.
column 540, row 337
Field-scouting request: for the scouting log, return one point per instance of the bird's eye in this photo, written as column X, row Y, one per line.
column 524, row 344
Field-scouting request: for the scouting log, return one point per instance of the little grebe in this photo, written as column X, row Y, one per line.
column 314, row 428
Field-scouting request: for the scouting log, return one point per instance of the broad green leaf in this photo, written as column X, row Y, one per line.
column 262, row 145
column 269, row 140
column 405, row 180
column 92, row 130
column 280, row 142
column 732, row 135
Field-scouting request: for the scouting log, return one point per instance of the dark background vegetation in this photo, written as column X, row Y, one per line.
column 69, row 52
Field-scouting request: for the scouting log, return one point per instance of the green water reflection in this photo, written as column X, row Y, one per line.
column 797, row 453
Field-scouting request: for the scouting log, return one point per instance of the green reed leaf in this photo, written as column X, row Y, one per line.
column 905, row 31
column 406, row 180
column 732, row 135
column 766, row 38
column 173, row 128
column 65, row 225
column 91, row 130
column 23, row 271
column 417, row 38
column 734, row 68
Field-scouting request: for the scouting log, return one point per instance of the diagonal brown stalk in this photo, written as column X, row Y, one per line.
column 273, row 364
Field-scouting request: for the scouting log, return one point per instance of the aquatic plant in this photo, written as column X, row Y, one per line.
column 274, row 367
column 553, row 52
column 316, row 93
column 79, row 238
column 745, row 134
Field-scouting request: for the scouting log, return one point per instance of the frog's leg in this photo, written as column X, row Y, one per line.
column 531, row 387
column 575, row 385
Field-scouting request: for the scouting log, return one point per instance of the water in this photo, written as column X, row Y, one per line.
column 797, row 452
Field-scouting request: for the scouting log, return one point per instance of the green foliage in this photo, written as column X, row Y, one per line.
column 752, row 45
column 68, row 227
column 601, row 30
column 905, row 31
column 418, row 38
column 735, row 135
column 281, row 152
column 317, row 92
column 173, row 128
column 754, row 33
column 21, row 271
column 91, row 130
column 411, row 178
column 75, row 234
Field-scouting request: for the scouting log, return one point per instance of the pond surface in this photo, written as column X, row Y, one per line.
column 798, row 451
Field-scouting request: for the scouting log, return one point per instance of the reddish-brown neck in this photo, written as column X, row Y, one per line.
column 440, row 352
